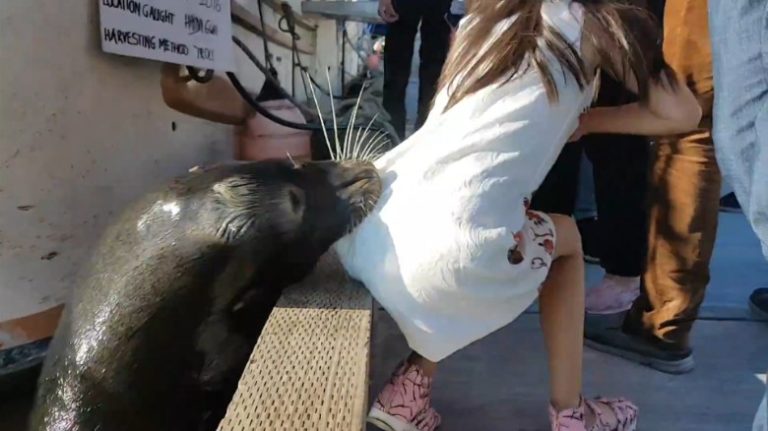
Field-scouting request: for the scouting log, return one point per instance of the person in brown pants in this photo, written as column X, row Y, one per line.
column 684, row 195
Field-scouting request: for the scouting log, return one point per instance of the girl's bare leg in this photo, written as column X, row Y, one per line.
column 428, row 367
column 405, row 402
column 562, row 319
column 562, row 315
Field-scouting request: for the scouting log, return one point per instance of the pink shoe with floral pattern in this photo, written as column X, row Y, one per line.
column 624, row 417
column 404, row 404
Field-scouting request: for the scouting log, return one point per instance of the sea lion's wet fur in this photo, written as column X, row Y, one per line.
column 180, row 287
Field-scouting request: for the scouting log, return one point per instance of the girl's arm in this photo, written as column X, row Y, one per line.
column 671, row 107
column 670, row 110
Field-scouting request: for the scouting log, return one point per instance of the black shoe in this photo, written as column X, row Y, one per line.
column 604, row 333
column 758, row 303
column 588, row 231
column 730, row 204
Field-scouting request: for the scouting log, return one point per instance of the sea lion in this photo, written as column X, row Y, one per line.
column 179, row 288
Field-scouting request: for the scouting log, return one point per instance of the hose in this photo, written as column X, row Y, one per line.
column 263, row 111
column 369, row 103
column 381, row 126
column 267, row 75
column 287, row 24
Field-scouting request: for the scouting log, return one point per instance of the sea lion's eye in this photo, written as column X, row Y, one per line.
column 296, row 197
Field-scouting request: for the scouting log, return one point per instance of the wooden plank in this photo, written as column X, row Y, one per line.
column 309, row 370
column 242, row 16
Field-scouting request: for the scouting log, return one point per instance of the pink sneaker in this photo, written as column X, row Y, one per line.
column 613, row 295
column 404, row 404
column 624, row 416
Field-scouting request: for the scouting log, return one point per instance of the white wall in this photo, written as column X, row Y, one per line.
column 81, row 134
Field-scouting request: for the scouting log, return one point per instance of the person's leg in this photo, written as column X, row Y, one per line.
column 683, row 231
column 740, row 61
column 621, row 179
column 760, row 422
column 557, row 193
column 405, row 402
column 729, row 203
column 585, row 206
column 620, row 164
column 684, row 196
column 758, row 303
column 585, row 211
column 739, row 36
column 621, row 183
column 562, row 318
column 428, row 367
column 435, row 39
column 562, row 315
column 398, row 54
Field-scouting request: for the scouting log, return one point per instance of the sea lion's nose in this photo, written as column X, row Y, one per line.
column 349, row 172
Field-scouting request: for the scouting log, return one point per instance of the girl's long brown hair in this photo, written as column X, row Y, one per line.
column 615, row 28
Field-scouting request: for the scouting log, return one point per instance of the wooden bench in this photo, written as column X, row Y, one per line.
column 310, row 367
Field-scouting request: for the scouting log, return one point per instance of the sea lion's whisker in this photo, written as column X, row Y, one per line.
column 377, row 147
column 375, row 155
column 355, row 153
column 333, row 113
column 375, row 144
column 366, row 146
column 320, row 115
column 376, row 152
column 348, row 137
column 383, row 138
column 357, row 135
column 376, row 139
column 370, row 144
column 290, row 158
column 368, row 128
column 353, row 148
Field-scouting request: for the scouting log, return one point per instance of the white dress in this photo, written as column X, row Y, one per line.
column 450, row 250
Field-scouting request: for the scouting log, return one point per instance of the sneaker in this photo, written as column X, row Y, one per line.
column 613, row 295
column 404, row 404
column 758, row 303
column 588, row 231
column 730, row 204
column 605, row 333
column 622, row 416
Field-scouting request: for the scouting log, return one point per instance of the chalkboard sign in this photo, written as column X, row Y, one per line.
column 189, row 32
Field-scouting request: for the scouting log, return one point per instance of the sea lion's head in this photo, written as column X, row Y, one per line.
column 333, row 197
column 296, row 210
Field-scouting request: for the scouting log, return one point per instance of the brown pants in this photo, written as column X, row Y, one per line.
column 684, row 193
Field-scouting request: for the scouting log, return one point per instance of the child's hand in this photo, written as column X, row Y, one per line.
column 581, row 129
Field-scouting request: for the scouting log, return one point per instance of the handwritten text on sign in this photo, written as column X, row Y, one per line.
column 189, row 32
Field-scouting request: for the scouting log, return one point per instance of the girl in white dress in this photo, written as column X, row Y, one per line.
column 451, row 250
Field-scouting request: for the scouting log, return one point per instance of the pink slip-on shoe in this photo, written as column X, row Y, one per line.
column 404, row 403
column 624, row 416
